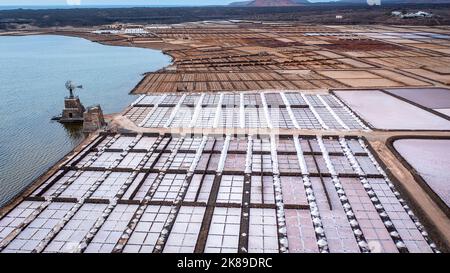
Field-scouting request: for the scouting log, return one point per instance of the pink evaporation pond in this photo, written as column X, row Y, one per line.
column 430, row 158
column 384, row 111
column 434, row 98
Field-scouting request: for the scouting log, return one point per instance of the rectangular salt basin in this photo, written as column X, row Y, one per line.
column 386, row 112
column 434, row 98
column 444, row 111
column 429, row 157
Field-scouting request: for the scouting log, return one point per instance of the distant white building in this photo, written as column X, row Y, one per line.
column 106, row 31
column 158, row 27
column 125, row 30
column 135, row 31
column 419, row 14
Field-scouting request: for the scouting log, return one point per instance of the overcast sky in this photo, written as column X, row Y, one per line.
column 122, row 2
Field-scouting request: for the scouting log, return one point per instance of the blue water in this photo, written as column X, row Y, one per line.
column 33, row 71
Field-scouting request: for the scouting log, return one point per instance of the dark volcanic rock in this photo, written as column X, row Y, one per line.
column 307, row 14
column 271, row 3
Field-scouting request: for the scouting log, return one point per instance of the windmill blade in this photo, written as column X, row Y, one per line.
column 69, row 85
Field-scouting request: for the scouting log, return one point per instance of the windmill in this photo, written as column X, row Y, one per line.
column 71, row 87
column 73, row 109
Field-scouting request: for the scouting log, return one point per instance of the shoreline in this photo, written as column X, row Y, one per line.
column 36, row 183
column 50, row 171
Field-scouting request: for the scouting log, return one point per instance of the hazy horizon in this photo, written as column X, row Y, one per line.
column 123, row 3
